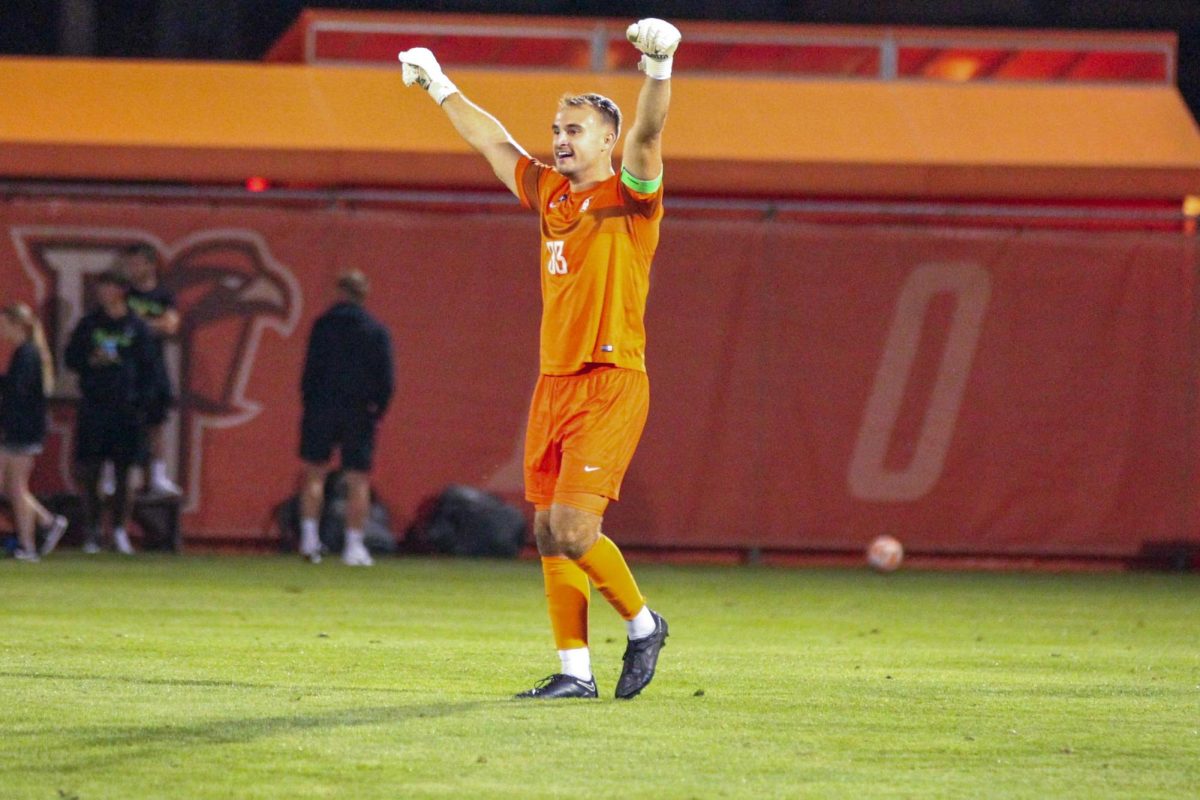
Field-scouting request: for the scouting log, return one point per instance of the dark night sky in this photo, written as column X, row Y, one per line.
column 244, row 29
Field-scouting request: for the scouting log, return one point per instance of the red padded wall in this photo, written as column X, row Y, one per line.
column 969, row 391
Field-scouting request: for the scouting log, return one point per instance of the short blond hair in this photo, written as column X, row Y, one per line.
column 607, row 108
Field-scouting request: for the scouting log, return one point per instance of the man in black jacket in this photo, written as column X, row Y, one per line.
column 112, row 351
column 346, row 387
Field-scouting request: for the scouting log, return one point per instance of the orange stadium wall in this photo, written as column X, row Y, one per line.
column 971, row 391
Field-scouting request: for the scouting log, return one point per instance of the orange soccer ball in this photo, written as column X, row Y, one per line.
column 885, row 553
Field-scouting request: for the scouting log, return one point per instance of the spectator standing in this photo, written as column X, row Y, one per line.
column 346, row 387
column 112, row 350
column 29, row 380
column 155, row 304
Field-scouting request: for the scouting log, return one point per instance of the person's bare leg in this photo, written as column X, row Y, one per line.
column 121, row 508
column 358, row 499
column 156, row 477
column 312, row 497
column 358, row 505
column 16, row 471
column 40, row 513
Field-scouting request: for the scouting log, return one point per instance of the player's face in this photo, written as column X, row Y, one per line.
column 582, row 137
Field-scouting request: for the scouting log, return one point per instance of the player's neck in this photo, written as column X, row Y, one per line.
column 592, row 178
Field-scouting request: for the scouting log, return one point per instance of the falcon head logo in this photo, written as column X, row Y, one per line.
column 228, row 289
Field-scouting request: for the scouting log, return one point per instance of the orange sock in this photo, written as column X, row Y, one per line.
column 567, row 596
column 605, row 565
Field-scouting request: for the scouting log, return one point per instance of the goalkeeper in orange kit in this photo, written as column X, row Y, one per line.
column 599, row 231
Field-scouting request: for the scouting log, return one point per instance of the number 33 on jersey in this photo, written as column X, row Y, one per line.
column 556, row 263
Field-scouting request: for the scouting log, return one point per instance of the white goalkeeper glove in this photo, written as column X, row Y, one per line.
column 421, row 68
column 657, row 39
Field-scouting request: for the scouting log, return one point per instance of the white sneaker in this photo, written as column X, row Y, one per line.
column 53, row 536
column 90, row 547
column 355, row 554
column 161, row 484
column 28, row 556
column 121, row 542
column 310, row 547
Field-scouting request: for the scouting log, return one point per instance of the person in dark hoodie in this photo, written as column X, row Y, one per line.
column 154, row 303
column 346, row 387
column 30, row 378
column 112, row 350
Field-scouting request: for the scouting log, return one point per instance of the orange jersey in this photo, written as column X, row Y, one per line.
column 595, row 266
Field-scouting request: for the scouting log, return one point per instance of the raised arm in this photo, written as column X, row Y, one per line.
column 643, row 144
column 477, row 127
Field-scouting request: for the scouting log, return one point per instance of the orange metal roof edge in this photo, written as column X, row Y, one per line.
column 171, row 121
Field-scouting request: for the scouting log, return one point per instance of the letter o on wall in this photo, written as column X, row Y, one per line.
column 869, row 478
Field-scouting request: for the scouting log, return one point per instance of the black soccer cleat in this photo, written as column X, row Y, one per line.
column 559, row 686
column 641, row 657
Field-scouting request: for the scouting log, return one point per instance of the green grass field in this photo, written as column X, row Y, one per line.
column 240, row 677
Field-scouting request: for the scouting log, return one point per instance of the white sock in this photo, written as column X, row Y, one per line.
column 308, row 529
column 576, row 662
column 158, row 471
column 354, row 537
column 642, row 624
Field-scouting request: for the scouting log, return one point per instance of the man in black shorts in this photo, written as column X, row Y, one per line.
column 347, row 384
column 112, row 351
column 155, row 304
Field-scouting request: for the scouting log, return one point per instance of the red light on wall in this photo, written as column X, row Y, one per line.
column 953, row 68
column 256, row 184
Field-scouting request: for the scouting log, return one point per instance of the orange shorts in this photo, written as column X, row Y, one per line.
column 583, row 429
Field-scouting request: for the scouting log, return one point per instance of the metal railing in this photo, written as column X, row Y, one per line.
column 877, row 54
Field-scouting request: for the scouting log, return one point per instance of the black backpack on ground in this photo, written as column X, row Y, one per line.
column 465, row 521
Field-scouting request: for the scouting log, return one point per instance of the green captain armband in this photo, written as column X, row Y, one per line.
column 640, row 186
